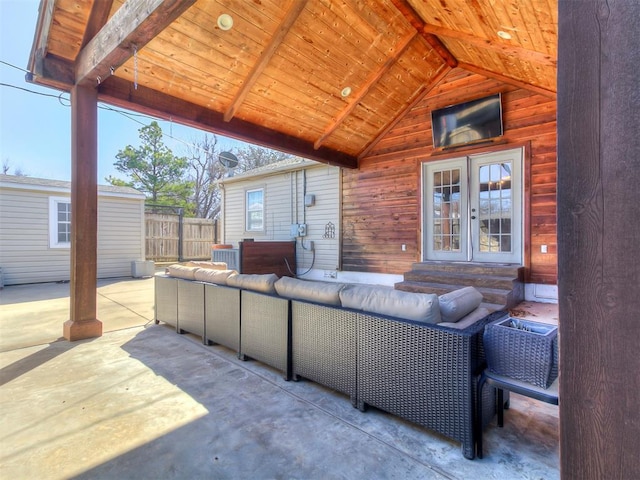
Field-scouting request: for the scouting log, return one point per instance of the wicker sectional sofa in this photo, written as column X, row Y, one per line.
column 344, row 337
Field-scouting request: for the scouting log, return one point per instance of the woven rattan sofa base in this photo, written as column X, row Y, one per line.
column 166, row 299
column 265, row 330
column 324, row 346
column 191, row 307
column 424, row 373
column 222, row 316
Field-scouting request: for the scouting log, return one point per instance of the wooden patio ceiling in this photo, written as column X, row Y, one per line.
column 278, row 76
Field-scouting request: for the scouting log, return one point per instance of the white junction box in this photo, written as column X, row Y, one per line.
column 298, row 229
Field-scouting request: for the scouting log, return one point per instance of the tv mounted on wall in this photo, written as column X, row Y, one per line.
column 468, row 122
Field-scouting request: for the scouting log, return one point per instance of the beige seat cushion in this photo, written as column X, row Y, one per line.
column 455, row 305
column 320, row 292
column 218, row 277
column 182, row 271
column 421, row 307
column 264, row 283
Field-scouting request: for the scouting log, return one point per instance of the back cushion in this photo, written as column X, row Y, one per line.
column 421, row 307
column 182, row 271
column 455, row 305
column 213, row 276
column 209, row 265
column 320, row 292
column 264, row 283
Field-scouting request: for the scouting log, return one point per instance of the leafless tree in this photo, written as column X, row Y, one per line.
column 253, row 156
column 204, row 172
column 6, row 166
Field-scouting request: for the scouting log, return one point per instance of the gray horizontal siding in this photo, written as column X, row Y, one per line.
column 25, row 254
column 284, row 205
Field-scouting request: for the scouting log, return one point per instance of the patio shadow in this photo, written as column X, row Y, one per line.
column 26, row 364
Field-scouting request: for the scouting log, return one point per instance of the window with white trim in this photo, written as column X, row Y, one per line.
column 59, row 222
column 254, row 208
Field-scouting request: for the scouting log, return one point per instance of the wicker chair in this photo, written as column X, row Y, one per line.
column 222, row 316
column 265, row 330
column 191, row 307
column 166, row 299
column 424, row 373
column 324, row 346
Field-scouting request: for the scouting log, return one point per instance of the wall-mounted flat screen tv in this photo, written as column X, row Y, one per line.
column 469, row 122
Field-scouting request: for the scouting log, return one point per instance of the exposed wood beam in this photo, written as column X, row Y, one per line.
column 97, row 19
column 294, row 12
column 132, row 26
column 119, row 92
column 413, row 101
column 364, row 90
column 37, row 65
column 414, row 19
column 496, row 46
column 509, row 80
column 52, row 72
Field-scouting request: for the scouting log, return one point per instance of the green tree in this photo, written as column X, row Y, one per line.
column 153, row 169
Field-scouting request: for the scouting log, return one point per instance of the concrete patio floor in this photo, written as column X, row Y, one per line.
column 144, row 402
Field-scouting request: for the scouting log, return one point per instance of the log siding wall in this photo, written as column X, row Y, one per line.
column 382, row 199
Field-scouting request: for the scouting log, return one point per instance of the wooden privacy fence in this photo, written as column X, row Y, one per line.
column 171, row 238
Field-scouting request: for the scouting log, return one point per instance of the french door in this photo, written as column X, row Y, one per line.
column 473, row 208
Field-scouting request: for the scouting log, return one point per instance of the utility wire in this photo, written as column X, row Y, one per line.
column 128, row 115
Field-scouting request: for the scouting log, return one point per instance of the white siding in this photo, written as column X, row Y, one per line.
column 25, row 254
column 284, row 205
column 120, row 235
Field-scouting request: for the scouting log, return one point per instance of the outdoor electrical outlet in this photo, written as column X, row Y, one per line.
column 404, row 247
column 543, row 248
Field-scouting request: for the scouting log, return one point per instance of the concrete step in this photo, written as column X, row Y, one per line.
column 470, row 268
column 456, row 278
column 499, row 297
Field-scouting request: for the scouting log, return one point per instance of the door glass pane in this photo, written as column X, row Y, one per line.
column 495, row 212
column 446, row 210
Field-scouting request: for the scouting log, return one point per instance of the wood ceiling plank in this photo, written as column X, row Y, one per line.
column 509, row 66
column 294, row 11
column 195, row 85
column 509, row 80
column 417, row 96
column 179, row 51
column 363, row 89
column 132, row 26
column 495, row 45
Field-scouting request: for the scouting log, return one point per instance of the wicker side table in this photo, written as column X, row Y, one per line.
column 500, row 382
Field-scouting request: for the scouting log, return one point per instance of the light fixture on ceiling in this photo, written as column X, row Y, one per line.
column 346, row 91
column 225, row 21
column 504, row 35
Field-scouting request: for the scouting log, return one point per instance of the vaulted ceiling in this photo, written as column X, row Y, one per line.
column 324, row 79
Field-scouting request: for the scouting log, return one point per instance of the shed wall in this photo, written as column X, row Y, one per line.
column 284, row 206
column 25, row 254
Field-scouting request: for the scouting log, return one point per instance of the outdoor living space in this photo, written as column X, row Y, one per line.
column 144, row 402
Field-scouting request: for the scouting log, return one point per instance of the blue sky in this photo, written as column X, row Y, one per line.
column 35, row 130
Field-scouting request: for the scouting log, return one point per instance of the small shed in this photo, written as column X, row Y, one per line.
column 295, row 199
column 35, row 220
